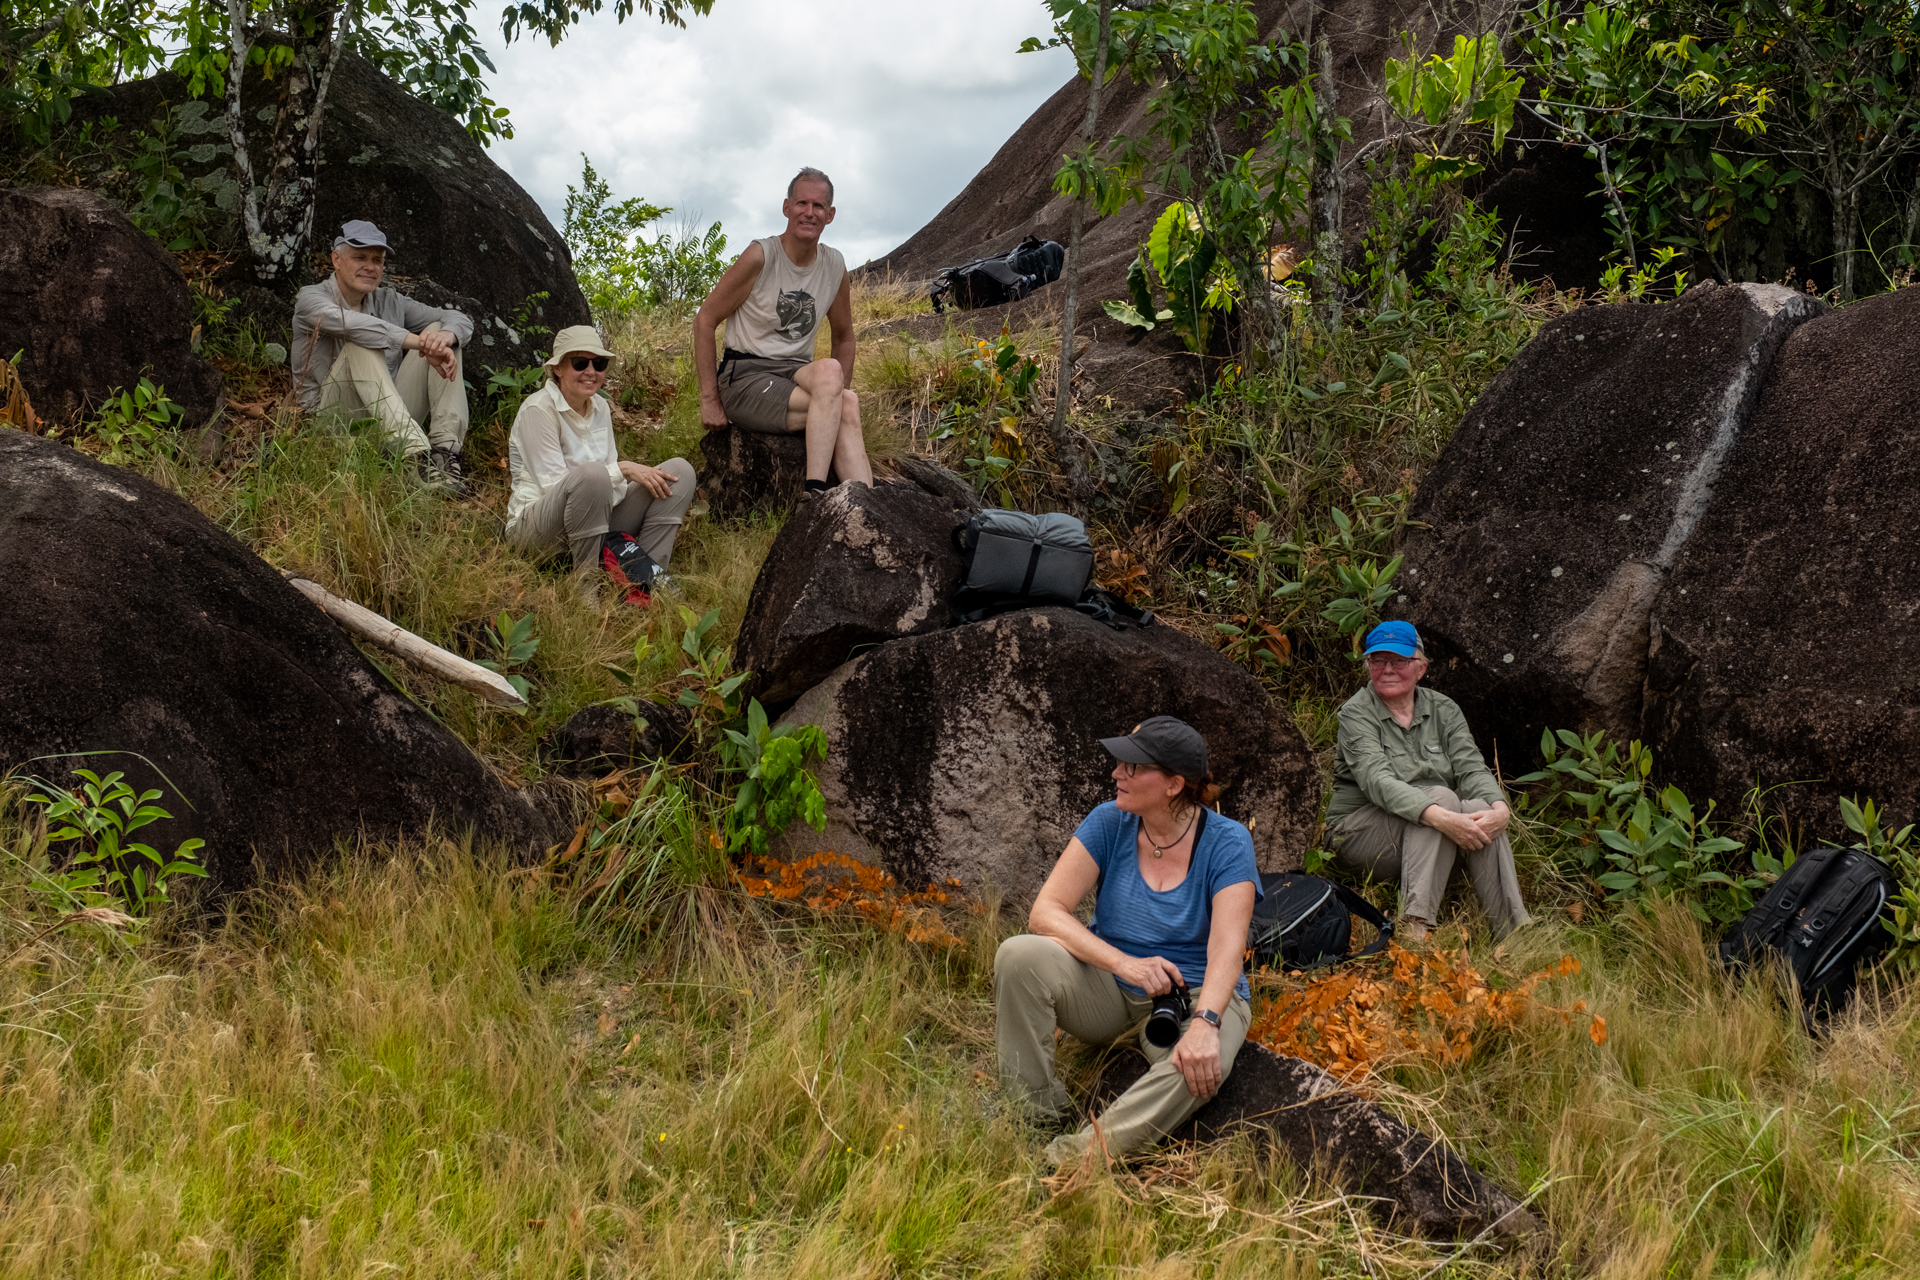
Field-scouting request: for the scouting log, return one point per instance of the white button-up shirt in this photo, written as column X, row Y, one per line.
column 549, row 439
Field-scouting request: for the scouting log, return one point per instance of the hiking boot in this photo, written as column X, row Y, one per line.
column 427, row 474
column 1412, row 931
column 449, row 471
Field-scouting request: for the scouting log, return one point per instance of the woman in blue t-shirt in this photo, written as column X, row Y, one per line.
column 1176, row 885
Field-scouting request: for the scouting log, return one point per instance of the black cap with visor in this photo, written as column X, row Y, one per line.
column 1171, row 745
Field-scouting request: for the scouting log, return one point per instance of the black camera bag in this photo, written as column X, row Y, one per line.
column 1826, row 916
column 1014, row 560
column 1304, row 922
column 988, row 282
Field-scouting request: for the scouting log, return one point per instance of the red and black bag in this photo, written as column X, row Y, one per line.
column 629, row 565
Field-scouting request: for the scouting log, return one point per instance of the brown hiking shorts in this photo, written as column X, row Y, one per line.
column 755, row 392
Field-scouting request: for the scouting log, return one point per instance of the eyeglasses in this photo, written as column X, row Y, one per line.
column 1389, row 661
column 580, row 363
column 1128, row 769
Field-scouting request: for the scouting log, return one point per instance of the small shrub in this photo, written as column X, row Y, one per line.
column 107, row 867
column 512, row 645
column 774, row 787
column 979, row 424
column 1896, row 849
column 136, row 426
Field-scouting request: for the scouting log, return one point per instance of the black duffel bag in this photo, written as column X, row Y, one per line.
column 1015, row 560
column 1304, row 922
column 1826, row 915
column 988, row 282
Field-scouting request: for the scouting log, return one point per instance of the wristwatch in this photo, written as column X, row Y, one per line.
column 1209, row 1017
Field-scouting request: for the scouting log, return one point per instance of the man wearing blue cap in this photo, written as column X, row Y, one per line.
column 376, row 352
column 1411, row 791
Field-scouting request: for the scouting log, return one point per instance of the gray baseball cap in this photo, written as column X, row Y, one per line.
column 1171, row 745
column 361, row 234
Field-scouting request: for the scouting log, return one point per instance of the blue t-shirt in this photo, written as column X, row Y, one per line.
column 1142, row 921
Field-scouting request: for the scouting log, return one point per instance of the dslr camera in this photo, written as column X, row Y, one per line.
column 1169, row 1011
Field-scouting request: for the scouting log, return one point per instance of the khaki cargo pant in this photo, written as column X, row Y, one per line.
column 1374, row 842
column 359, row 383
column 1037, row 986
column 580, row 510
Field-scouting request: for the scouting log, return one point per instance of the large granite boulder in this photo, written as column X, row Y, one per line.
column 1784, row 641
column 973, row 752
column 463, row 233
column 93, row 304
column 1544, row 533
column 1413, row 1181
column 854, row 567
column 131, row 623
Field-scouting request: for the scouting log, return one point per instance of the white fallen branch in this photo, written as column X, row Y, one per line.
column 402, row 643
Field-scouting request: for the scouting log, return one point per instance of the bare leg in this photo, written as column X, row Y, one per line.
column 817, row 401
column 850, row 448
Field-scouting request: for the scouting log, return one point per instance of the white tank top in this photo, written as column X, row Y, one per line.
column 780, row 316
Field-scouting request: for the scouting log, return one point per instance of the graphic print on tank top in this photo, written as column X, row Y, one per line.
column 795, row 310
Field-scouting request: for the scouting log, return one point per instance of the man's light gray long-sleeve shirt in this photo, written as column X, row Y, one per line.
column 322, row 322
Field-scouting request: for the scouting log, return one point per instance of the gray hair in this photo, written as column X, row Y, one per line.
column 810, row 174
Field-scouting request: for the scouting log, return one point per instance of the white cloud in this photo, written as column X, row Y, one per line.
column 901, row 101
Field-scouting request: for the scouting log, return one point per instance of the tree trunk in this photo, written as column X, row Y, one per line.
column 1065, row 451
column 1247, row 260
column 279, row 221
column 1845, row 199
column 1327, row 185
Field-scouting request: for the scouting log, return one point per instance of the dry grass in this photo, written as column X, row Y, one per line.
column 419, row 1062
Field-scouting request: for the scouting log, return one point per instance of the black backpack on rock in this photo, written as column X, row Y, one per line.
column 988, row 282
column 1304, row 922
column 1826, row 917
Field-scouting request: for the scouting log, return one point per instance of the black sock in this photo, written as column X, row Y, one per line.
column 817, row 486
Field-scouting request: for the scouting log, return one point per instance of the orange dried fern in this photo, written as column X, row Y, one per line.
column 828, row 882
column 1406, row 1005
column 17, row 410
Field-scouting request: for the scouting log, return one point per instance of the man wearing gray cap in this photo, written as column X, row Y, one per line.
column 375, row 352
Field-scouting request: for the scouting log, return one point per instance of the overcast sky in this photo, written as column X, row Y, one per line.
column 900, row 101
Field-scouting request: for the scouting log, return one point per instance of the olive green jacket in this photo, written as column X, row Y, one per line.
column 1379, row 763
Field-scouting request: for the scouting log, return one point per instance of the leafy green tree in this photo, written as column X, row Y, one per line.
column 50, row 53
column 618, row 266
column 1702, row 113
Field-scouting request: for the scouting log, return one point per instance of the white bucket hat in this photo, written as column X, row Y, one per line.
column 577, row 337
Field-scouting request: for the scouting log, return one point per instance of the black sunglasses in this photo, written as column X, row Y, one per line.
column 599, row 363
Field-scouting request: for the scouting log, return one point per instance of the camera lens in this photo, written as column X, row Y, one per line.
column 1163, row 1024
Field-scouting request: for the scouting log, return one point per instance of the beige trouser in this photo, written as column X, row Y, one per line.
column 1376, row 843
column 580, row 510
column 1037, row 986
column 359, row 383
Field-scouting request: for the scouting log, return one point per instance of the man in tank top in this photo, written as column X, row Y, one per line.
column 772, row 300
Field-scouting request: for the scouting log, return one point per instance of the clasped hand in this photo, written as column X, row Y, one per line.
column 1468, row 830
column 436, row 348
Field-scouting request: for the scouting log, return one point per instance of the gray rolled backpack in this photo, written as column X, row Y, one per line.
column 1015, row 560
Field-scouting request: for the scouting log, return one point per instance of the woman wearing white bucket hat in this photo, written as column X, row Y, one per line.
column 570, row 487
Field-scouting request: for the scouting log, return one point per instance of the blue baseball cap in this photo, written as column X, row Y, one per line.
column 361, row 234
column 1394, row 637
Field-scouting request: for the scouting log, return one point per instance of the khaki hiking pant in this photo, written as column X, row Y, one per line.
column 580, row 510
column 1037, row 986
column 359, row 383
column 1376, row 843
